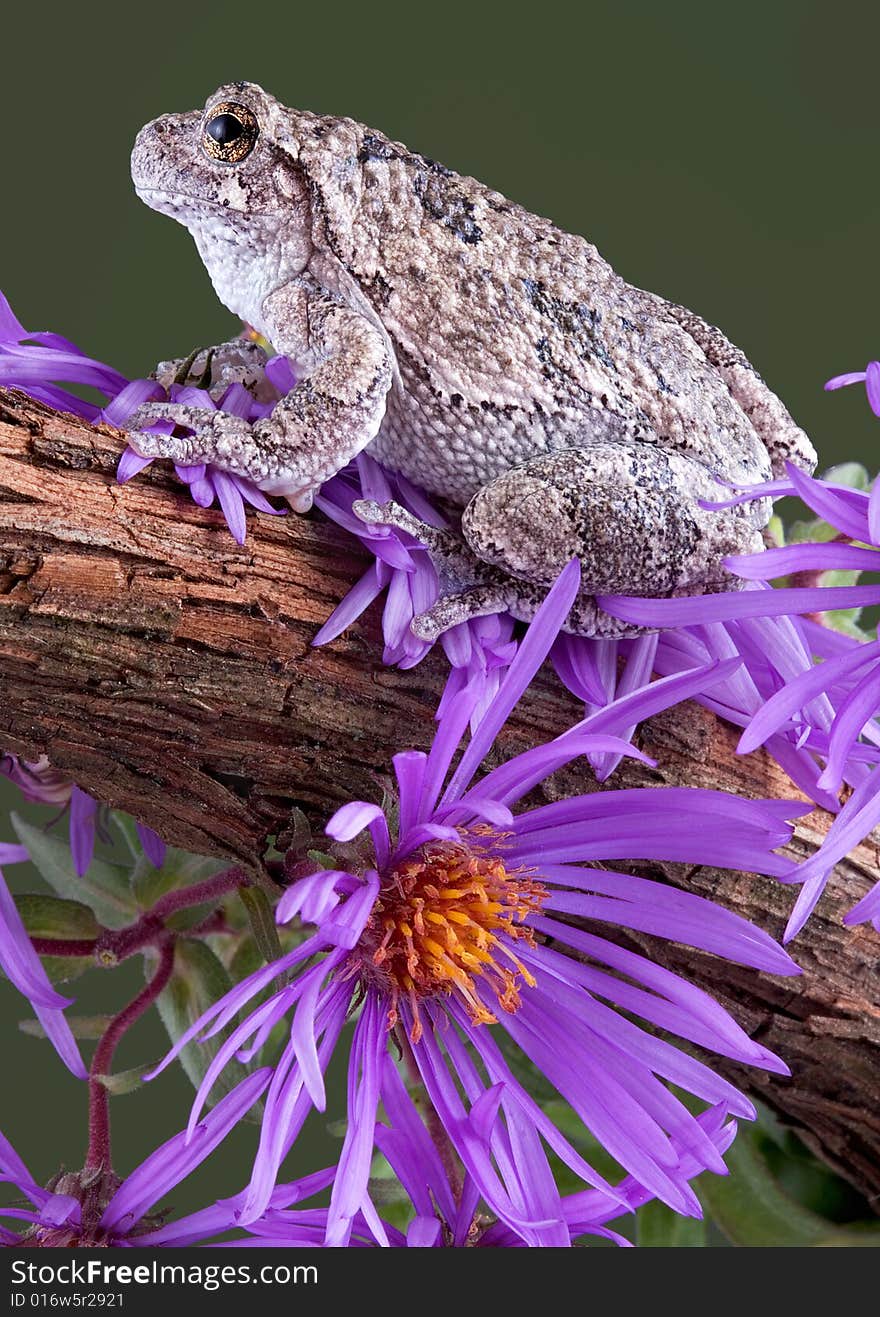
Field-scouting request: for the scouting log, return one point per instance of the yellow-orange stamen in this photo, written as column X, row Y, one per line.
column 446, row 918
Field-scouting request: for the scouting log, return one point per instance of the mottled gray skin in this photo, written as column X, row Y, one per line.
column 495, row 360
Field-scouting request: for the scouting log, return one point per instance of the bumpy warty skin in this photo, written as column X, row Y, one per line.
column 464, row 339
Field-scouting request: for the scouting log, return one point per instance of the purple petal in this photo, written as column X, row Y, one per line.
column 257, row 499
column 130, row 463
column 359, row 598
column 840, row 381
column 723, row 607
column 532, row 651
column 800, row 690
column 120, row 408
column 83, row 818
column 169, row 1165
column 152, row 844
column 231, row 502
column 280, row 374
column 812, row 556
column 350, row 1186
column 872, row 386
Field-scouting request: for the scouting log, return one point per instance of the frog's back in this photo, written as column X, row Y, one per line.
column 514, row 338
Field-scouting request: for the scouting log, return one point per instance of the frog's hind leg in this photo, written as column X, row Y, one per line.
column 470, row 587
column 631, row 513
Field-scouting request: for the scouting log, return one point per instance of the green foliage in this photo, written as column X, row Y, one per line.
column 105, row 889
column 752, row 1209
column 262, row 921
column 125, row 1081
column 52, row 916
column 657, row 1226
column 81, row 1026
column 198, row 980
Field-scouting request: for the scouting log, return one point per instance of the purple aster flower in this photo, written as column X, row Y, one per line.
column 870, row 377
column 23, row 968
column 453, row 920
column 93, row 1208
column 35, row 363
column 42, row 784
column 204, row 481
column 827, row 707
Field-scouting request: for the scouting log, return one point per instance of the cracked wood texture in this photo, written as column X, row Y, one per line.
column 171, row 674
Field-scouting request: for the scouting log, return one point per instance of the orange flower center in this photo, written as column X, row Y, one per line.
column 447, row 918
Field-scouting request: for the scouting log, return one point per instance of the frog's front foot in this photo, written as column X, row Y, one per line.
column 217, row 437
column 227, row 442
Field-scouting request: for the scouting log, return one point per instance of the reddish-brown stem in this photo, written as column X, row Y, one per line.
column 215, row 922
column 114, row 946
column 62, row 946
column 99, row 1105
column 200, row 893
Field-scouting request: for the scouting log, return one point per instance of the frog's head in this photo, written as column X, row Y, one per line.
column 230, row 174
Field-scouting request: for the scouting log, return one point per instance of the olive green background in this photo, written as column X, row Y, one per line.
column 724, row 156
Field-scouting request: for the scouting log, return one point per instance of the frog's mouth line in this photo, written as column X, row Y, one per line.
column 179, row 199
column 172, row 203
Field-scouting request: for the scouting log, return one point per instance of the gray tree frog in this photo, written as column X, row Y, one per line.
column 492, row 358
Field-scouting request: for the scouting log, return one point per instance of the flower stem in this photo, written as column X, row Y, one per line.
column 114, row 946
column 63, row 946
column 437, row 1130
column 98, row 1154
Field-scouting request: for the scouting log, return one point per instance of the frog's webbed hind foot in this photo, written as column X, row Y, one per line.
column 468, row 586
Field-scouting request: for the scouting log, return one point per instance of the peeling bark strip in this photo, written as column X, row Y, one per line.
column 171, row 674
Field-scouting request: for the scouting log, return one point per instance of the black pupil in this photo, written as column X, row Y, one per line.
column 225, row 128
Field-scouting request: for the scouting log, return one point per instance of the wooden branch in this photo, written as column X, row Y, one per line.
column 171, row 674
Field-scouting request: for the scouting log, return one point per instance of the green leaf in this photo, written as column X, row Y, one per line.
column 81, row 1026
column 846, row 620
column 197, row 981
column 811, row 532
column 51, row 916
column 125, row 1081
column 64, row 969
column 181, row 869
column 751, row 1208
column 262, row 919
column 775, row 529
column 323, row 860
column 126, row 826
column 245, row 958
column 865, row 1235
column 105, row 888
column 851, row 474
column 657, row 1226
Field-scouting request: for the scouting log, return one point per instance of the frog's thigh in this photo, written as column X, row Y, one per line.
column 630, row 511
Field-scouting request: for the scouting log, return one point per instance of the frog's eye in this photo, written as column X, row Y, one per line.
column 230, row 132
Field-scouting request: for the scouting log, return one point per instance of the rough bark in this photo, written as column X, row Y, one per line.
column 171, row 673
